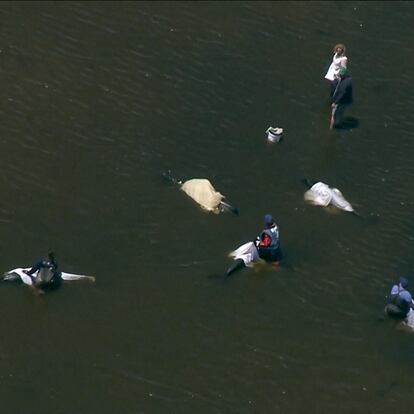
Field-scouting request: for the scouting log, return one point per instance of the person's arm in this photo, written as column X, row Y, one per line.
column 265, row 240
column 55, row 265
column 35, row 268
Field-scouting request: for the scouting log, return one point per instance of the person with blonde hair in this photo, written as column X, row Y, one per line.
column 339, row 61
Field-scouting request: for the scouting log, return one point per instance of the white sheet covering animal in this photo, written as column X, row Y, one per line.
column 410, row 319
column 320, row 194
column 246, row 252
column 202, row 191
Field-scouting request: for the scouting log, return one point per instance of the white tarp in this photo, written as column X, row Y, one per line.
column 247, row 252
column 321, row 194
column 201, row 190
column 26, row 279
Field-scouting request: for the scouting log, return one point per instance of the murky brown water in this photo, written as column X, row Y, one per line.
column 97, row 100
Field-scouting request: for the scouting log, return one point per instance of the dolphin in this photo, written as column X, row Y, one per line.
column 244, row 256
column 320, row 194
column 43, row 278
column 202, row 191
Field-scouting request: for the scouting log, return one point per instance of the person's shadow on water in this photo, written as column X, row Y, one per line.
column 348, row 123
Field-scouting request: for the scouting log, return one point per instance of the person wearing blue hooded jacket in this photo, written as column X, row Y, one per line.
column 268, row 242
column 399, row 300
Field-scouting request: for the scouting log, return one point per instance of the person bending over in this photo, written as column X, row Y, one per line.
column 399, row 300
column 48, row 271
column 268, row 242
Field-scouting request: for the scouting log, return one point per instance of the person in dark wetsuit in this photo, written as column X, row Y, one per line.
column 399, row 300
column 48, row 275
column 268, row 242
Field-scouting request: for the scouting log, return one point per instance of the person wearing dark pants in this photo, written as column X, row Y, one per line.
column 341, row 97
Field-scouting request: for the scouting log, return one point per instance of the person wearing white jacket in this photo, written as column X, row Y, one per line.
column 339, row 61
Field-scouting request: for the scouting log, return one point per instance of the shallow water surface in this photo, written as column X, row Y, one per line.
column 97, row 100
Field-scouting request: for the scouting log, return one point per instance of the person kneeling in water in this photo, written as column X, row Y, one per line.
column 268, row 242
column 48, row 264
column 399, row 300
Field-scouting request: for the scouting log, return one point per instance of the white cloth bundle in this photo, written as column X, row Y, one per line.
column 410, row 319
column 202, row 191
column 320, row 194
column 247, row 252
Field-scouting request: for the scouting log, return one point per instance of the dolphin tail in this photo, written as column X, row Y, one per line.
column 237, row 265
column 355, row 213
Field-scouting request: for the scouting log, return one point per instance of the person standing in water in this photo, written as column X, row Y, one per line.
column 268, row 242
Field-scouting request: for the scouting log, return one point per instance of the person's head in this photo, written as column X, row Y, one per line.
column 403, row 282
column 51, row 255
column 339, row 49
column 268, row 220
column 343, row 72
